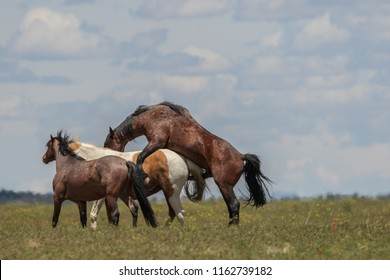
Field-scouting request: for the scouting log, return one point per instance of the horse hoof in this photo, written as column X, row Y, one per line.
column 93, row 223
column 234, row 221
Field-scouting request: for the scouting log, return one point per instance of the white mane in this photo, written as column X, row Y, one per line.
column 90, row 152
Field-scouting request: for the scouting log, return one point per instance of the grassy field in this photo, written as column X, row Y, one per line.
column 315, row 229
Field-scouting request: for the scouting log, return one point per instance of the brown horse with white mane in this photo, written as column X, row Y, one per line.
column 171, row 126
column 79, row 180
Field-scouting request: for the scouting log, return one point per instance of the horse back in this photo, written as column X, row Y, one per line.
column 91, row 180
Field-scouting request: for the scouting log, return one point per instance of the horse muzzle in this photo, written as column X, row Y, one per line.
column 45, row 160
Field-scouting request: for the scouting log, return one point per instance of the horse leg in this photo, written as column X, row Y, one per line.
column 171, row 212
column 96, row 206
column 232, row 203
column 226, row 177
column 83, row 212
column 228, row 195
column 112, row 208
column 57, row 210
column 108, row 211
column 175, row 203
column 133, row 206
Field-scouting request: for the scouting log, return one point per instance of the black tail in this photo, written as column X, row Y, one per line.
column 255, row 181
column 139, row 188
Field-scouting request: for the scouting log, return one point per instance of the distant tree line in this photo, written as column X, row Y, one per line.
column 24, row 197
column 7, row 196
column 332, row 196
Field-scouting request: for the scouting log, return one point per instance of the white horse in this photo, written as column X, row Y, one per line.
column 167, row 171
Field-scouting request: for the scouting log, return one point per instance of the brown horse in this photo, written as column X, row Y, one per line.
column 171, row 126
column 79, row 180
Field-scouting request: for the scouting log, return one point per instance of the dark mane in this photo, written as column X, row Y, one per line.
column 141, row 109
column 177, row 108
column 125, row 128
column 63, row 145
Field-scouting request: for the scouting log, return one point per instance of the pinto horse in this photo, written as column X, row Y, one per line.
column 80, row 181
column 171, row 126
column 167, row 171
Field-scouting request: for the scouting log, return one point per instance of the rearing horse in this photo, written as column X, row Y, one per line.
column 171, row 126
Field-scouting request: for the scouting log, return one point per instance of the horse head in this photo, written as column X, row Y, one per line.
column 59, row 143
column 114, row 141
column 50, row 153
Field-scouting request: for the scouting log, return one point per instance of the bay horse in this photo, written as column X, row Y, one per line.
column 79, row 180
column 167, row 171
column 171, row 126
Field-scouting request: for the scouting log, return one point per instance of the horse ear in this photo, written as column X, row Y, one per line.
column 111, row 131
column 51, row 137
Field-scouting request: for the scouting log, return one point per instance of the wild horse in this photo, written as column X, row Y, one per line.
column 79, row 180
column 167, row 171
column 171, row 126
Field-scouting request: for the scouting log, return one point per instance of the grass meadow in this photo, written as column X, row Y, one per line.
column 345, row 229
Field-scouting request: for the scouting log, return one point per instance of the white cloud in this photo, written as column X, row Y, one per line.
column 274, row 10
column 37, row 185
column 47, row 33
column 210, row 61
column 192, row 8
column 320, row 31
column 267, row 65
column 327, row 176
column 326, row 65
column 331, row 81
column 334, row 158
column 273, row 40
column 9, row 105
column 298, row 163
column 184, row 84
column 183, row 9
column 356, row 92
column 341, row 87
column 321, row 137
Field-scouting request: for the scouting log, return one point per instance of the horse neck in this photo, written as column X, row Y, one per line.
column 131, row 128
column 60, row 159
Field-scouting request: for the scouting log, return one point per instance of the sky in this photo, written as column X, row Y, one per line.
column 303, row 84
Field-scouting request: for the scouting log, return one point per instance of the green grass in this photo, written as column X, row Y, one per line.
column 316, row 229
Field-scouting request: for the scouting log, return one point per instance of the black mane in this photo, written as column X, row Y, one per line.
column 177, row 108
column 126, row 128
column 143, row 108
column 63, row 145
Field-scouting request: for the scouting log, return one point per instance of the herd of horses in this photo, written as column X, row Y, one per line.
column 180, row 154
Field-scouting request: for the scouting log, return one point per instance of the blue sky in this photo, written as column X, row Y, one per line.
column 303, row 84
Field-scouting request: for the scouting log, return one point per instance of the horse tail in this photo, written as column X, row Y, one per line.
column 255, row 181
column 196, row 193
column 146, row 208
